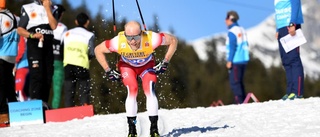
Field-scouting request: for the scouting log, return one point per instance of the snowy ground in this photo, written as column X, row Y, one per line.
column 298, row 118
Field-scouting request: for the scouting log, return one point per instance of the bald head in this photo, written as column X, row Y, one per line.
column 132, row 28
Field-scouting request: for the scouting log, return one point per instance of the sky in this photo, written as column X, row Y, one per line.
column 274, row 118
column 190, row 19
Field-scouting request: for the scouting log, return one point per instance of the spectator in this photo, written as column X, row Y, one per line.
column 8, row 51
column 78, row 50
column 288, row 19
column 37, row 24
column 58, row 73
column 237, row 56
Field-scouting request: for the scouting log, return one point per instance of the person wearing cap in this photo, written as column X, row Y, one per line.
column 237, row 55
column 136, row 49
column 37, row 24
column 78, row 49
column 58, row 73
column 288, row 18
column 8, row 51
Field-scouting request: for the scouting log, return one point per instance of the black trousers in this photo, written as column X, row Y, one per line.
column 76, row 79
column 40, row 70
column 7, row 86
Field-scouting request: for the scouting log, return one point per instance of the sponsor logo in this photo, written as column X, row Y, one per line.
column 133, row 54
column 44, row 31
column 7, row 24
column 123, row 45
column 33, row 15
column 124, row 75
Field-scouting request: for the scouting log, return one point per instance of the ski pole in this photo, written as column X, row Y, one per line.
column 144, row 25
column 116, row 56
column 114, row 18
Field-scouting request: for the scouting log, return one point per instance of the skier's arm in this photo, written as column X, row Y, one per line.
column 172, row 43
column 99, row 51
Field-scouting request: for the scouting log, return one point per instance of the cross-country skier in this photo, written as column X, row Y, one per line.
column 135, row 48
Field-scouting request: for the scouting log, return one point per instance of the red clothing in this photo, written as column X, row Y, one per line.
column 138, row 63
column 21, row 72
column 21, row 75
column 21, row 49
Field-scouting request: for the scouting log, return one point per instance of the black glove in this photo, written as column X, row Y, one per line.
column 161, row 67
column 113, row 75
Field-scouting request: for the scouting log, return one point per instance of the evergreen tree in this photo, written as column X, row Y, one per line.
column 15, row 6
column 155, row 27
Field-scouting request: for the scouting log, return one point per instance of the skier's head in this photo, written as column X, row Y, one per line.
column 233, row 16
column 132, row 31
column 58, row 11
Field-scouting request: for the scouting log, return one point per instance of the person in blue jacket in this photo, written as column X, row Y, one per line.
column 237, row 55
column 9, row 39
column 288, row 18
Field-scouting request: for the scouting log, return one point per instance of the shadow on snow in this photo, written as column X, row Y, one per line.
column 181, row 131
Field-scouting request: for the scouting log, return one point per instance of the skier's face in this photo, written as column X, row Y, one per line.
column 133, row 35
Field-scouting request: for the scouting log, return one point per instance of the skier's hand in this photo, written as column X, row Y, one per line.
column 113, row 75
column 161, row 67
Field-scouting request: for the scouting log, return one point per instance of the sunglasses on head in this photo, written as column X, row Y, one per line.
column 135, row 37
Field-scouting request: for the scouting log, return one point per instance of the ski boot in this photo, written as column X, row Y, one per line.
column 132, row 127
column 154, row 126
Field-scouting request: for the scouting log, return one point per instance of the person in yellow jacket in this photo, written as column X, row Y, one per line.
column 78, row 46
